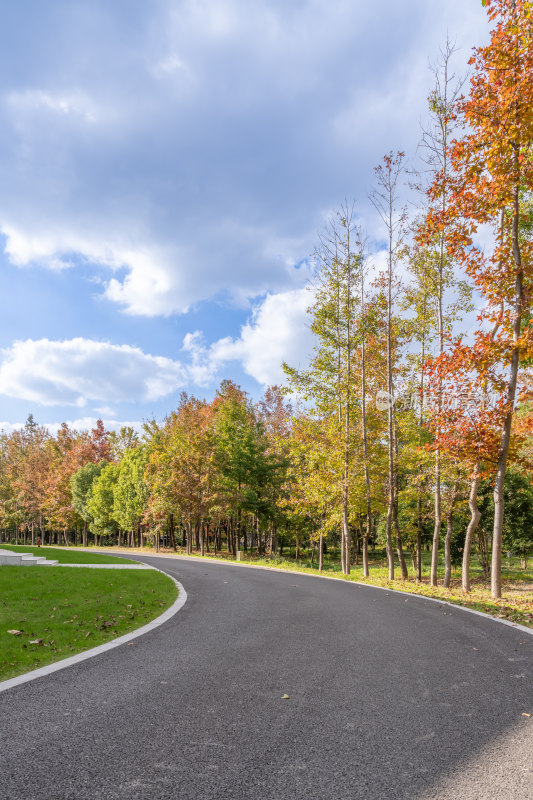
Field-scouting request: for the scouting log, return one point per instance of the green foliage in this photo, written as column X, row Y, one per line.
column 130, row 494
column 81, row 485
column 101, row 500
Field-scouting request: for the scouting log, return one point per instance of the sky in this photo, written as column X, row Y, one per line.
column 165, row 168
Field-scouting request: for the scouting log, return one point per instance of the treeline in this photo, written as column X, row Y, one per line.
column 212, row 476
column 232, row 475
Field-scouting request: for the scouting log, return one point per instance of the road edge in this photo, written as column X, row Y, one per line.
column 41, row 672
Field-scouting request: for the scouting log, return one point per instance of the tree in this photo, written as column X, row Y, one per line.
column 100, row 501
column 131, row 491
column 437, row 273
column 244, row 467
column 385, row 199
column 81, row 484
column 329, row 380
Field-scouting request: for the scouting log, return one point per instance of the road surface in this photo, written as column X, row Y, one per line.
column 390, row 697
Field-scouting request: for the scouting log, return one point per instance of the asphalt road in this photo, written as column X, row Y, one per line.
column 390, row 698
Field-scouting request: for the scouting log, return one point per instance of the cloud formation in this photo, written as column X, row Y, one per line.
column 80, row 371
column 72, row 373
column 277, row 331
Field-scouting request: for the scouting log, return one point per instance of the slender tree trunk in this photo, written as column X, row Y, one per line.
column 438, row 523
column 399, row 546
column 475, row 516
column 366, row 533
column 366, row 571
column 518, row 312
column 321, row 553
column 390, row 411
column 448, row 540
column 419, row 541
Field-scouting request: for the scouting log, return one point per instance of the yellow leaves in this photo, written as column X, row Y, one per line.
column 285, row 697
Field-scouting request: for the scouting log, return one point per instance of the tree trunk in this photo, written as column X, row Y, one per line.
column 448, row 540
column 399, row 546
column 438, row 523
column 390, row 552
column 321, row 553
column 518, row 312
column 475, row 516
column 366, row 571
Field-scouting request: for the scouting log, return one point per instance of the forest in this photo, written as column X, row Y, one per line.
column 409, row 430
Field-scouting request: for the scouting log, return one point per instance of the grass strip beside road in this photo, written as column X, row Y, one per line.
column 69, row 555
column 62, row 612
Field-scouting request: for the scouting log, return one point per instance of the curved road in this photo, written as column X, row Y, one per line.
column 390, row 697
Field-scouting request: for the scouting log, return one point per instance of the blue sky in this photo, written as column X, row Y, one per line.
column 165, row 167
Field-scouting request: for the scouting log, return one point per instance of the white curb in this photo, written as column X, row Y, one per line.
column 110, row 566
column 95, row 651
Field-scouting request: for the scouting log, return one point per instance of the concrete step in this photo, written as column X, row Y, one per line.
column 7, row 557
column 27, row 560
column 24, row 559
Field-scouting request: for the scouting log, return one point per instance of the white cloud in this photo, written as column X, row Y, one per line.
column 278, row 331
column 80, row 370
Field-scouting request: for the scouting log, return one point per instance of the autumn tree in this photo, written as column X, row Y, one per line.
column 329, row 381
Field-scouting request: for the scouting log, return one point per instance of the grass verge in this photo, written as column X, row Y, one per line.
column 60, row 612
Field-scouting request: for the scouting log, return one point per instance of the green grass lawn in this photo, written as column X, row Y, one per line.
column 69, row 555
column 60, row 612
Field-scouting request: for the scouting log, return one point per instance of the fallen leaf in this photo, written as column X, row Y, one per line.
column 287, row 697
column 36, row 641
column 15, row 633
column 525, row 715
